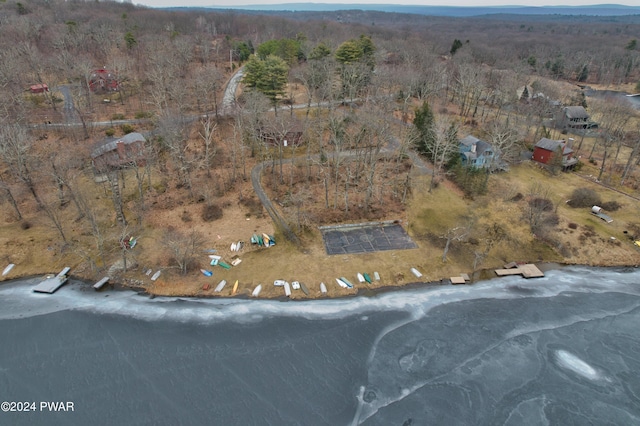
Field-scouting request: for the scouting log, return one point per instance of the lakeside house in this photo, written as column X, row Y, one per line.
column 477, row 153
column 574, row 118
column 115, row 153
column 545, row 151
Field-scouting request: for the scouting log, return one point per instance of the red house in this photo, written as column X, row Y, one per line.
column 545, row 149
column 102, row 80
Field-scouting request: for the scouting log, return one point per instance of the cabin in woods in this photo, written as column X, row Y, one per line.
column 291, row 136
column 115, row 153
column 39, row 88
column 103, row 81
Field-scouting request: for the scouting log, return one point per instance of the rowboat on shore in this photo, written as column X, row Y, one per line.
column 323, row 288
column 235, row 288
column 206, row 273
column 256, row 291
column 220, row 286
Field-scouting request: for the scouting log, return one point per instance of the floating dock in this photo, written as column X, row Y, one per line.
column 528, row 271
column 52, row 283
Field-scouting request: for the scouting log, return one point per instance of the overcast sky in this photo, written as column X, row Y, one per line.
column 219, row 3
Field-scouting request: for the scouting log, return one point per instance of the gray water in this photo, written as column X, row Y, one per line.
column 564, row 349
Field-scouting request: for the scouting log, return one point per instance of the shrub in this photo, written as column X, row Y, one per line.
column 611, row 206
column 211, row 212
column 186, row 216
column 127, row 128
column 25, row 224
column 117, row 117
column 110, row 132
column 141, row 114
column 573, row 225
column 584, row 197
column 541, row 204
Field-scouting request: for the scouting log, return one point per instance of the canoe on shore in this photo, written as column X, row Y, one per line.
column 235, row 288
column 367, row 278
column 323, row 288
column 347, row 282
column 304, row 288
column 206, row 273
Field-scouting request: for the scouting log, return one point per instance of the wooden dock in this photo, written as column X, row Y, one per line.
column 528, row 271
column 52, row 283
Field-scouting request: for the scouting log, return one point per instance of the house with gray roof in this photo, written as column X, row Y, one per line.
column 546, row 149
column 574, row 118
column 477, row 153
column 117, row 152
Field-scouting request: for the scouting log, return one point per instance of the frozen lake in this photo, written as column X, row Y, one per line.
column 564, row 349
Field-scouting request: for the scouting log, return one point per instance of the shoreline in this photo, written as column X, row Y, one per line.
column 362, row 291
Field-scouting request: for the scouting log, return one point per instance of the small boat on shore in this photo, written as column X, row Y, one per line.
column 416, row 272
column 360, row 277
column 323, row 288
column 256, row 291
column 341, row 283
column 304, row 288
column 220, row 286
column 376, row 275
column 346, row 281
column 367, row 278
column 235, row 288
column 287, row 289
column 206, row 273
column 7, row 269
column 156, row 276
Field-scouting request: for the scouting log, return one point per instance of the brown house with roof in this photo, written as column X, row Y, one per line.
column 115, row 153
column 546, row 149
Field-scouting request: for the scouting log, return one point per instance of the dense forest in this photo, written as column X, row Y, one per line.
column 335, row 82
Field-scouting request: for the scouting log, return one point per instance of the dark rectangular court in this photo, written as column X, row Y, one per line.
column 366, row 238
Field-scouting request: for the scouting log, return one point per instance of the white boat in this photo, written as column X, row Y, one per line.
column 416, row 272
column 279, row 283
column 156, row 276
column 341, row 283
column 360, row 277
column 233, row 247
column 295, row 285
column 376, row 276
column 8, row 269
column 220, row 286
column 149, row 271
column 287, row 289
column 215, row 256
column 323, row 288
column 256, row 291
column 236, row 262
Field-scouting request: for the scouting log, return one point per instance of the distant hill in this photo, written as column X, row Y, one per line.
column 596, row 10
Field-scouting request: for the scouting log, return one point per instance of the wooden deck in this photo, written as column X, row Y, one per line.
column 528, row 271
